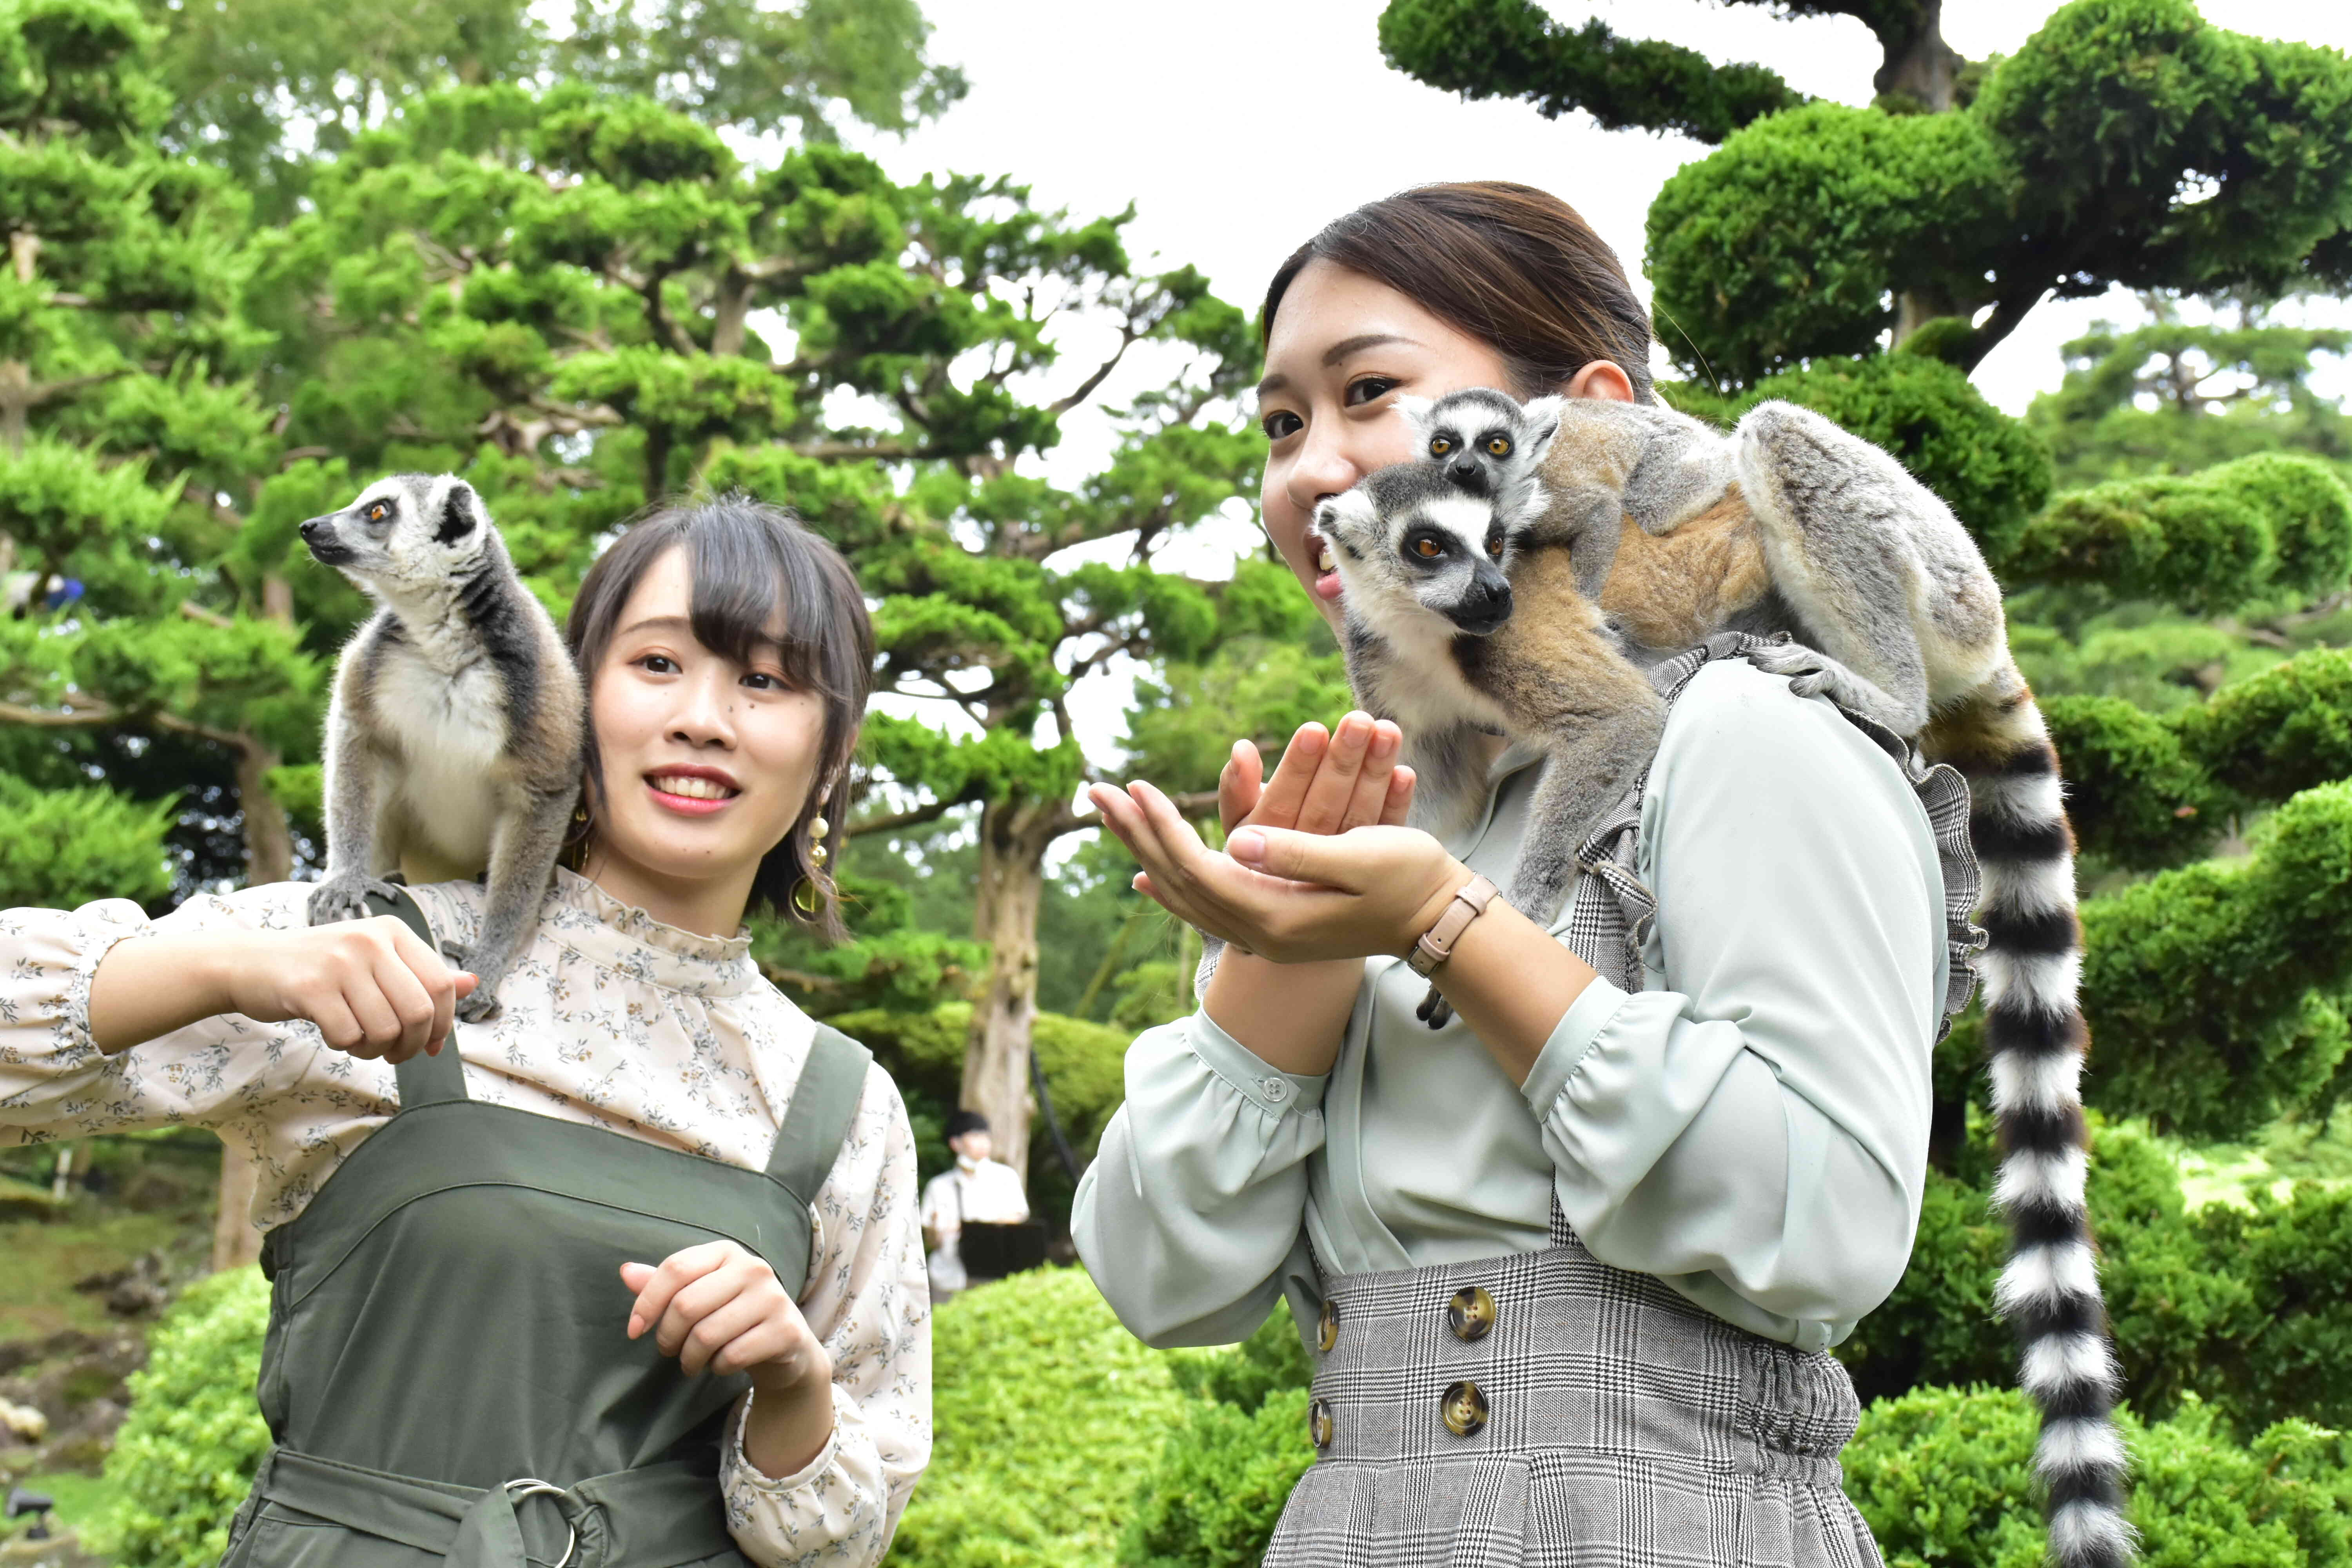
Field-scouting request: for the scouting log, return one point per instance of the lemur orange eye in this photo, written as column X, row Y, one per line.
column 1428, row 548
column 1439, row 446
column 375, row 511
column 1494, row 548
column 1500, row 445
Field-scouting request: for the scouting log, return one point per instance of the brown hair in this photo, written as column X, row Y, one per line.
column 1508, row 264
column 746, row 560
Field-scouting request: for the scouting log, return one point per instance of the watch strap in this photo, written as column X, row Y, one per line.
column 1436, row 943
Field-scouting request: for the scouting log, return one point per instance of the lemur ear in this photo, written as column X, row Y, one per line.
column 458, row 511
column 1415, row 411
column 1542, row 416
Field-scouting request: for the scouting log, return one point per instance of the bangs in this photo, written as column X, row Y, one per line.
column 747, row 577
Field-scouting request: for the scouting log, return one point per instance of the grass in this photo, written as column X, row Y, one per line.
column 45, row 1259
column 82, row 1500
column 2291, row 1150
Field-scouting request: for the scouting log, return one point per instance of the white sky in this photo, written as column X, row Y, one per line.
column 1238, row 129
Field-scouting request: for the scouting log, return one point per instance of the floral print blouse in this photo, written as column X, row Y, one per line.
column 608, row 1017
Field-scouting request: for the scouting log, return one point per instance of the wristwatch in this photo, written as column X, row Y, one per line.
column 1436, row 943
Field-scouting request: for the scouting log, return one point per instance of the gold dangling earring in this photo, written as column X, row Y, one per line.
column 807, row 898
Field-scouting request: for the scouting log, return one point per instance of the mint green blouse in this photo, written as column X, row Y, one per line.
column 1750, row 1126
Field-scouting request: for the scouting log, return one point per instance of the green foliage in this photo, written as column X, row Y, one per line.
column 1219, row 1488
column 2260, row 525
column 2172, row 398
column 2126, row 142
column 1046, row 1412
column 1941, row 1477
column 186, row 1453
column 1510, row 48
column 1084, row 1064
column 1247, row 1374
column 2293, row 1353
column 65, row 847
column 1990, row 469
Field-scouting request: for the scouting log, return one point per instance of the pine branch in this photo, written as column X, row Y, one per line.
column 1512, row 48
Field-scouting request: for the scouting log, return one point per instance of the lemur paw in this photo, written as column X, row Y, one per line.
column 345, row 899
column 481, row 1005
column 1435, row 1010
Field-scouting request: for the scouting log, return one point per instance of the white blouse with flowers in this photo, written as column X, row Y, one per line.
column 608, row 1017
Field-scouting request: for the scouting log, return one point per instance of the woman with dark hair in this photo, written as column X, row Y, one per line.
column 1570, row 1265
column 629, row 1275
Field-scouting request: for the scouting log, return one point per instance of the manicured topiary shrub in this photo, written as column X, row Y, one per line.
column 1047, row 1414
column 187, row 1452
column 1221, row 1484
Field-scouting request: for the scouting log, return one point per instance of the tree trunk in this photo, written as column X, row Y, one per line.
column 1012, row 839
column 268, row 841
column 1919, row 64
column 1915, row 308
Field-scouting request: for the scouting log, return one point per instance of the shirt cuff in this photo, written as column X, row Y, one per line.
column 743, row 1472
column 1572, row 1039
column 1267, row 1087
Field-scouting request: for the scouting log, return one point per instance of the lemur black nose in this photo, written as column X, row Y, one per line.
column 308, row 529
column 1467, row 473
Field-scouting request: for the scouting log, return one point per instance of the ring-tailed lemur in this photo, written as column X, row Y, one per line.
column 454, row 737
column 1791, row 524
column 1436, row 589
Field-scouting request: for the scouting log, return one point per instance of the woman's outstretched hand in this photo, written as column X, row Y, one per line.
column 1288, row 895
column 1325, row 783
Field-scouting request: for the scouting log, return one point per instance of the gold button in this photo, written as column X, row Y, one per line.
column 1471, row 1313
column 1327, row 1327
column 1318, row 1422
column 1464, row 1409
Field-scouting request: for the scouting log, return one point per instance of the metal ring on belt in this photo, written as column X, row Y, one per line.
column 531, row 1486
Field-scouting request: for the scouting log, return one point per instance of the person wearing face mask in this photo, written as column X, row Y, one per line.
column 977, row 1191
column 629, row 1275
column 1569, row 1266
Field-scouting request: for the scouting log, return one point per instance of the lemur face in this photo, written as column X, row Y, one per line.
column 408, row 529
column 1486, row 442
column 1408, row 542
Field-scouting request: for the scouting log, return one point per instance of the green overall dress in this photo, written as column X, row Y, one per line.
column 447, row 1376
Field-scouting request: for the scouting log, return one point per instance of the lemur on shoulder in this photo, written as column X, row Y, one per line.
column 455, row 736
column 1642, row 533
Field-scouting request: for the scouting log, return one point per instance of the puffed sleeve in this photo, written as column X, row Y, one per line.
column 1191, row 1218
column 55, row 1082
column 868, row 1300
column 1755, row 1131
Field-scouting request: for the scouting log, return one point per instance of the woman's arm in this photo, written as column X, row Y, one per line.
column 830, row 1486
column 110, row 1022
column 1756, row 1133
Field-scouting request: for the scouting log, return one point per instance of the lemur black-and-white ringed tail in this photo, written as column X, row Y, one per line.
column 455, row 736
column 1791, row 524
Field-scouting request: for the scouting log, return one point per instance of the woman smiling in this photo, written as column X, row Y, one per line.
column 629, row 1275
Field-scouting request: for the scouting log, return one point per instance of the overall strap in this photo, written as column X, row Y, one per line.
column 832, row 1082
column 424, row 1080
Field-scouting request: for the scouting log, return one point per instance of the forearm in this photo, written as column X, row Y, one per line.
column 147, row 986
column 1512, row 981
column 1291, row 1016
column 787, row 1429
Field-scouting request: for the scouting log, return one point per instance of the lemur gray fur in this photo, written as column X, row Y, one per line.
column 455, row 735
column 1456, row 622
column 1791, row 524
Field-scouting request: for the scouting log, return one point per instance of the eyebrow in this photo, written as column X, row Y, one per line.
column 1338, row 351
column 681, row 624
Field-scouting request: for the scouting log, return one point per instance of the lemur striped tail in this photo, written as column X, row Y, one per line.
column 2034, row 1043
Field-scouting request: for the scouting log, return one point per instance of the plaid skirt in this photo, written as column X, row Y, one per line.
column 1545, row 1409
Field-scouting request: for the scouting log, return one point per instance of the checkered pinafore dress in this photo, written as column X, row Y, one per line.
column 1546, row 1410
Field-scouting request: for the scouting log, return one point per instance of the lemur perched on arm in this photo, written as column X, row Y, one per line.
column 1676, row 531
column 455, row 735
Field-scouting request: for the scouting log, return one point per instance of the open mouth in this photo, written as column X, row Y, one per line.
column 691, row 794
column 1327, row 567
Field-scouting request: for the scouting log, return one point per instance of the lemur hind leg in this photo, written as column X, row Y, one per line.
column 1839, row 519
column 524, row 849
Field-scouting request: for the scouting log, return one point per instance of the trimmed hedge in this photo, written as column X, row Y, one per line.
column 1045, row 1414
column 186, row 1453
